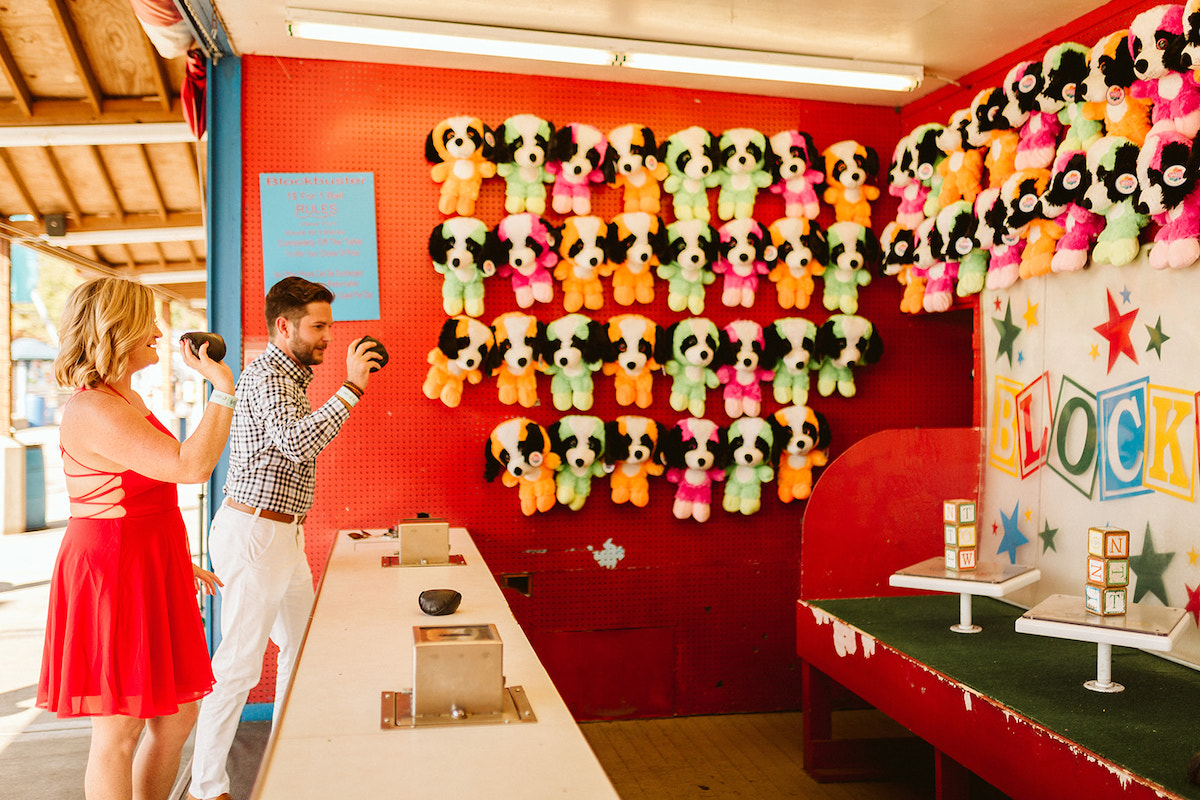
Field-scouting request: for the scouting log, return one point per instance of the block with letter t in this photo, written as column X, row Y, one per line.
column 958, row 512
column 1106, row 601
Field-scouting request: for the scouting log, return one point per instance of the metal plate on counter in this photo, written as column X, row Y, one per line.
column 396, row 711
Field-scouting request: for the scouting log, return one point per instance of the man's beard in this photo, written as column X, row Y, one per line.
column 305, row 353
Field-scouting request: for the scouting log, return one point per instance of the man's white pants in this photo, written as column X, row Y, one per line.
column 268, row 593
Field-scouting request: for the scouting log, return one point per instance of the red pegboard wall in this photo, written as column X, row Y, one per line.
column 727, row 587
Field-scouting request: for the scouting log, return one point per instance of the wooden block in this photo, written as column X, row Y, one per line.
column 958, row 511
column 1108, row 571
column 1108, row 542
column 958, row 535
column 1106, row 601
column 960, row 559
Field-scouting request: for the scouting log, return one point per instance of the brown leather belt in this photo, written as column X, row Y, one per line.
column 265, row 513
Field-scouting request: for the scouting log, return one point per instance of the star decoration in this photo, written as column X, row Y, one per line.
column 1157, row 338
column 1193, row 603
column 1192, row 556
column 1028, row 514
column 1020, row 356
column 1116, row 331
column 1030, row 314
column 1008, row 334
column 1013, row 538
column 1125, row 294
column 1047, row 536
column 1149, row 567
column 997, row 303
column 1094, row 352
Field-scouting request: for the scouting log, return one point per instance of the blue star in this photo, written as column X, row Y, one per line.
column 1012, row 538
column 1020, row 356
column 1125, row 294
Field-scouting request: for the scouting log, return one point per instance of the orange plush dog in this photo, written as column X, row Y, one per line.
column 516, row 359
column 631, row 358
column 801, row 439
column 460, row 149
column 637, row 240
column 629, row 445
column 584, row 249
column 520, row 449
column 848, row 167
column 463, row 346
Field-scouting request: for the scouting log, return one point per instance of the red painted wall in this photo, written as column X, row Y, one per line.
column 697, row 618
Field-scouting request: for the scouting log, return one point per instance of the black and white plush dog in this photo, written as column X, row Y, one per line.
column 844, row 341
column 792, row 341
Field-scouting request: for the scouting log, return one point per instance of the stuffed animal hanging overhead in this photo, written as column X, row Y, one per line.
column 853, row 251
column 1060, row 202
column 1156, row 42
column 686, row 350
column 461, row 255
column 745, row 248
column 577, row 154
column 802, row 442
column 637, row 240
column 461, row 351
column 743, row 363
column 630, row 358
column 1038, row 129
column 800, row 253
column 927, row 158
column 751, row 443
column 690, row 251
column 993, row 131
column 953, row 232
column 797, row 172
column 1003, row 246
column 1066, row 68
column 692, row 162
column 961, row 170
column 584, row 246
column 460, row 148
column 1167, row 177
column 516, row 358
column 743, row 171
column 1024, row 216
column 1113, row 193
column 575, row 347
column 849, row 167
column 578, row 441
column 518, row 450
column 629, row 446
column 633, row 166
column 899, row 245
column 792, row 341
column 527, row 250
column 904, row 186
column 844, row 341
column 1106, row 90
column 693, row 451
column 522, row 145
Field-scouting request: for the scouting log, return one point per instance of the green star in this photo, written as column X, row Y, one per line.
column 1149, row 568
column 1047, row 535
column 1008, row 334
column 1157, row 338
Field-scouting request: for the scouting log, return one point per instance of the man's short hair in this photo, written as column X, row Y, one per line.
column 289, row 298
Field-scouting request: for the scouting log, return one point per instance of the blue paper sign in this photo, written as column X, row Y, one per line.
column 321, row 226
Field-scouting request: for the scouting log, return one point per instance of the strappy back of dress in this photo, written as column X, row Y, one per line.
column 117, row 494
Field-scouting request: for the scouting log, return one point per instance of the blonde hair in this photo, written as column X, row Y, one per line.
column 102, row 322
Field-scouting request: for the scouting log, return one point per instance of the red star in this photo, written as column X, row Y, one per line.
column 1116, row 331
column 1193, row 603
column 997, row 303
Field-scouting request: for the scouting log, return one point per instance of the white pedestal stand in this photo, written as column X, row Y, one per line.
column 989, row 580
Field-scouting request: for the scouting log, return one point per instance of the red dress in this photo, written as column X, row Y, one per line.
column 123, row 634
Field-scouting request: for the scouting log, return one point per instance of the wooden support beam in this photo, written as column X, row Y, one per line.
column 111, row 187
column 80, row 112
column 22, row 189
column 158, row 195
column 66, row 25
column 12, row 73
column 125, row 221
column 64, row 185
column 158, row 71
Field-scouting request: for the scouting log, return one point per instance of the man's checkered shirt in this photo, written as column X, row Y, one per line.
column 276, row 436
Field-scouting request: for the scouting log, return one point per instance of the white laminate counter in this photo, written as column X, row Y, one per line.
column 329, row 742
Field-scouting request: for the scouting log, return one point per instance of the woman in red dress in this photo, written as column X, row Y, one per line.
column 124, row 640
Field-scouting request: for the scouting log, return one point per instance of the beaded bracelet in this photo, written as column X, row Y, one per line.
column 357, row 391
column 222, row 398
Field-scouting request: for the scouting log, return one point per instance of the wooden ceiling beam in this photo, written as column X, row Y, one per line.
column 158, row 195
column 99, row 222
column 193, row 259
column 16, row 79
column 22, row 189
column 79, row 112
column 106, row 178
column 162, row 255
column 158, row 71
column 66, row 25
column 130, row 258
column 64, row 185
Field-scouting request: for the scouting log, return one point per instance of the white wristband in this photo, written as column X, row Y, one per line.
column 347, row 395
column 222, row 398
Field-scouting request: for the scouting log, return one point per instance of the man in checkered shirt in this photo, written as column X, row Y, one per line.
column 257, row 536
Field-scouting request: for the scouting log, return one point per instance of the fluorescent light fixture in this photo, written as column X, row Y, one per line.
column 183, row 233
column 126, row 133
column 452, row 37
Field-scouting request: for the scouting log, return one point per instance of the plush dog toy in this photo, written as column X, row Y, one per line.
column 692, row 162
column 516, row 358
column 792, row 342
column 848, row 168
column 853, row 251
column 751, row 446
column 518, row 449
column 1038, row 128
column 962, row 168
column 632, row 165
column 990, row 129
column 583, row 248
column 686, row 350
column 1189, row 50
column 527, row 250
column 955, row 247
column 926, row 160
column 1066, row 68
column 461, row 351
column 577, row 154
column 687, row 263
column 522, row 144
column 1069, row 179
column 899, row 245
column 745, row 248
column 629, row 446
column 1156, row 42
column 693, row 452
column 800, row 253
column 1113, row 193
column 1106, row 89
column 743, row 363
column 924, row 263
column 802, row 443
column 1024, row 216
column 578, row 441
column 797, row 172
column 744, row 153
column 638, row 237
column 460, row 253
column 904, row 186
column 460, row 148
column 844, row 341
column 1002, row 245
column 1167, row 180
column 630, row 358
column 575, row 348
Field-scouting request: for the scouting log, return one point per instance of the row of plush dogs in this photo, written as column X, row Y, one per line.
column 635, row 246
column 529, row 153
column 557, row 464
column 694, row 352
column 1070, row 159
